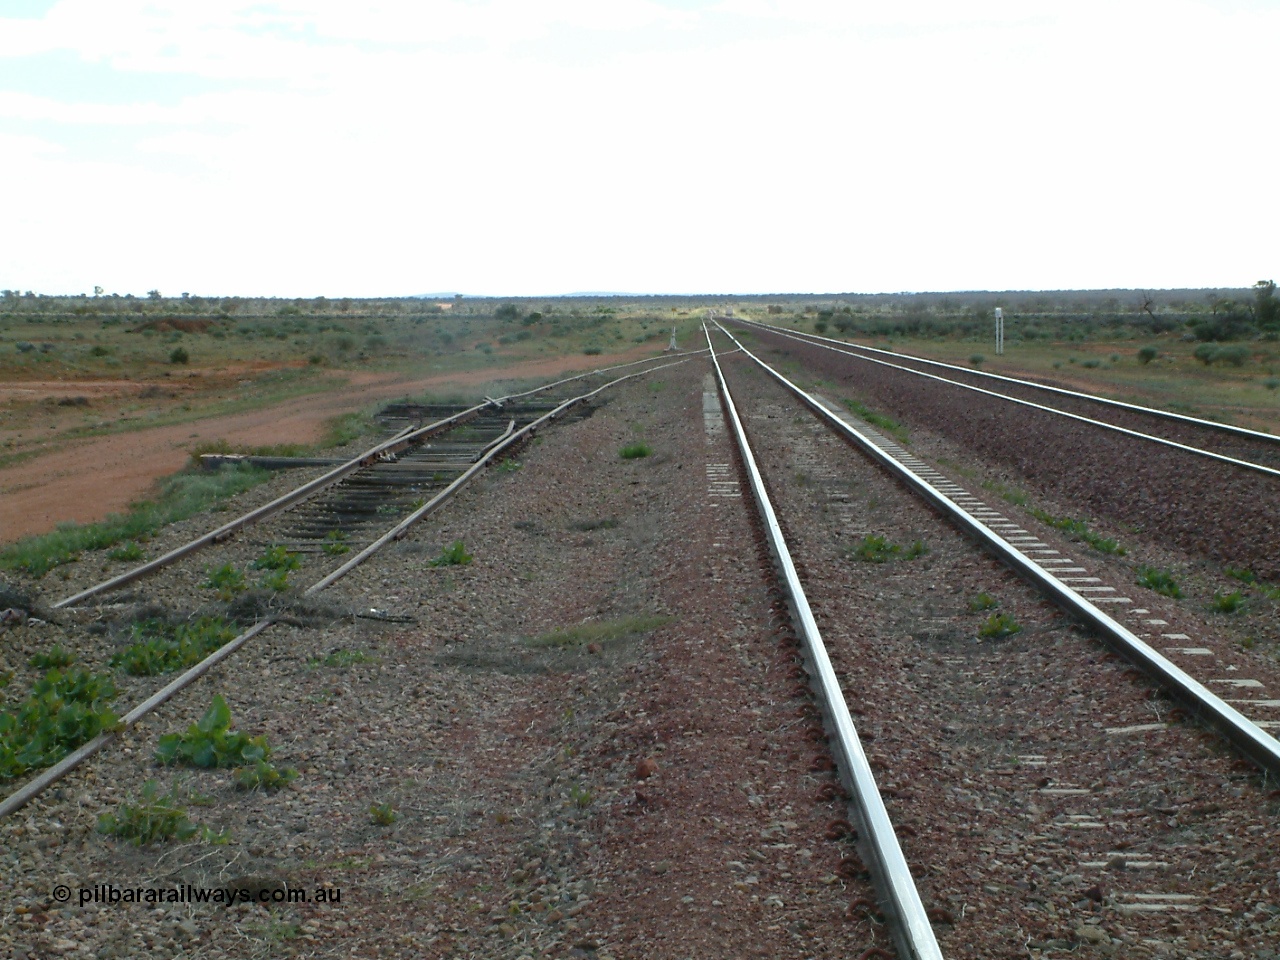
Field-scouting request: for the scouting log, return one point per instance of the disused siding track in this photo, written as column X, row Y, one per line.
column 1050, row 803
column 490, row 446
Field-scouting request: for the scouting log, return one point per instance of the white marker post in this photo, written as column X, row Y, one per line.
column 672, row 345
column 999, row 332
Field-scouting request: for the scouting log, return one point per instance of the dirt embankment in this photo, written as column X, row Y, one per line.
column 87, row 479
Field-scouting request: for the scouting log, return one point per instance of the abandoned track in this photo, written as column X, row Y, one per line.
column 446, row 468
column 1027, row 763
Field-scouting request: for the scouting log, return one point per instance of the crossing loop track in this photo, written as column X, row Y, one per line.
column 845, row 349
column 912, row 931
column 511, row 438
column 1239, row 730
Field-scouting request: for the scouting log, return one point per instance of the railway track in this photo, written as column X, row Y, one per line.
column 1063, row 830
column 1206, row 507
column 409, row 475
column 1225, row 442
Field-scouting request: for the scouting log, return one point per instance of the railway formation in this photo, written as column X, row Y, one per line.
column 1047, row 800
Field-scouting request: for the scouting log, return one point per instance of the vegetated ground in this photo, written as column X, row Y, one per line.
column 95, row 406
column 84, row 480
column 590, row 741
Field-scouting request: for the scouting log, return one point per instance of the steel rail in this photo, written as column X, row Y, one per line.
column 1063, row 391
column 86, row 750
column 400, row 529
column 1246, row 736
column 1198, row 451
column 405, row 438
column 878, row 843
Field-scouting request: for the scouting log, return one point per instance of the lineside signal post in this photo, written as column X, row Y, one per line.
column 999, row 331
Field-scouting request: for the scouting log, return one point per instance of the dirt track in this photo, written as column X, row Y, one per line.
column 88, row 479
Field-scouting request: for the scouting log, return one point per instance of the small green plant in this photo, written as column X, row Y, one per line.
column 983, row 601
column 127, row 551
column 262, row 775
column 998, row 626
column 277, row 580
column 342, row 658
column 179, row 355
column 599, row 631
column 509, row 465
column 1080, row 529
column 156, row 817
column 161, row 647
column 977, row 359
column 878, row 419
column 634, row 451
column 1091, row 364
column 1011, row 494
column 56, row 658
column 1242, row 574
column 1161, row 581
column 581, row 797
column 587, row 526
column 335, row 543
column 211, row 742
column 876, row 549
column 454, row 555
column 1271, row 383
column 1227, row 602
column 63, row 711
column 278, row 558
column 383, row 814
column 1147, row 354
column 227, row 580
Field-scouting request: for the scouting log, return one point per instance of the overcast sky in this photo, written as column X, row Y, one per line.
column 329, row 147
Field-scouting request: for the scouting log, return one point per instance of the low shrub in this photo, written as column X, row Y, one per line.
column 999, row 626
column 877, row 549
column 454, row 555
column 1161, row 581
column 212, row 743
column 634, row 451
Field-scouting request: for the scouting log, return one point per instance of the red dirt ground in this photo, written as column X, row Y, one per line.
column 88, row 479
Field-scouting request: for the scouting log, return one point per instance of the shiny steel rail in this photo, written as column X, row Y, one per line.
column 1197, row 451
column 878, row 843
column 1061, row 391
column 53, row 774
column 1245, row 735
column 406, row 438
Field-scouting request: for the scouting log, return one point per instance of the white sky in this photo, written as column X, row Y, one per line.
column 329, row 147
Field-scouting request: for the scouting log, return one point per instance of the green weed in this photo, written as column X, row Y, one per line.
column 1242, row 574
column 878, row 419
column 587, row 526
column 278, row 558
column 581, row 797
column 63, row 711
column 1011, row 494
column 57, row 658
column 262, row 775
column 983, row 601
column 156, row 817
column 999, row 626
column 634, row 451
column 383, row 814
column 1161, row 581
column 454, row 555
column 211, row 742
column 1227, row 602
column 277, row 580
column 876, row 549
column 160, row 647
column 227, row 580
column 127, row 551
column 335, row 543
column 1080, row 530
column 181, row 496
